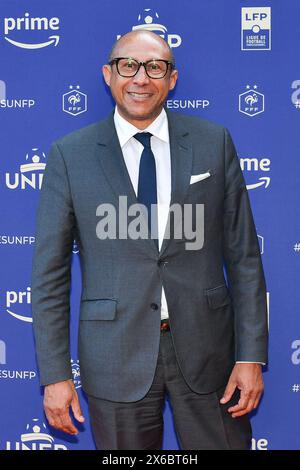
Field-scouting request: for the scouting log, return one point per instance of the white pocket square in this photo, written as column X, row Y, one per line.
column 202, row 176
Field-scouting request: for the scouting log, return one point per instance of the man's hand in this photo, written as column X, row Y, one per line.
column 58, row 398
column 248, row 379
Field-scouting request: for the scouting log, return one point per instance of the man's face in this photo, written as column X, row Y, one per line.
column 140, row 98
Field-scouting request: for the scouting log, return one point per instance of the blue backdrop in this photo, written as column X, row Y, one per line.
column 238, row 66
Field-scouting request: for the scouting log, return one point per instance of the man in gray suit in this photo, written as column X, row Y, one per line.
column 162, row 313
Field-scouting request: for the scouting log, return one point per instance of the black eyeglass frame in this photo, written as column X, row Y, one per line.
column 117, row 59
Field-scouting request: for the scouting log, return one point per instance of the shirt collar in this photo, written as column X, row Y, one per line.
column 126, row 130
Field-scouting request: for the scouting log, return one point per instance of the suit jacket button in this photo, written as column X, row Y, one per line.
column 154, row 306
column 162, row 262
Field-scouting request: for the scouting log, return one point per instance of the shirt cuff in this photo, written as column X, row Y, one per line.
column 250, row 362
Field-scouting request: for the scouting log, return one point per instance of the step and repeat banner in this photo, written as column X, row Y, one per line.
column 238, row 65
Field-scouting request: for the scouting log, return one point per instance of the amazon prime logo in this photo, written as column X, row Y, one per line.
column 14, row 300
column 20, row 27
column 251, row 102
column 259, row 444
column 74, row 102
column 256, row 165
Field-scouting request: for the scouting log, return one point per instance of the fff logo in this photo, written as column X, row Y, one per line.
column 74, row 101
column 251, row 102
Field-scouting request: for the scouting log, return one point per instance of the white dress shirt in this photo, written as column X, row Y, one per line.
column 132, row 150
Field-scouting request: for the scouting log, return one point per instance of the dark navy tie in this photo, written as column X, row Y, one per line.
column 147, row 188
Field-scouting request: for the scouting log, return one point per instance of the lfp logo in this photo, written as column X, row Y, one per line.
column 149, row 19
column 256, row 29
column 19, row 27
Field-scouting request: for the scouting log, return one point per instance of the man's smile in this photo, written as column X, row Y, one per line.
column 140, row 96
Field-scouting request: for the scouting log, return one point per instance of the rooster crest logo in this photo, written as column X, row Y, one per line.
column 251, row 102
column 74, row 101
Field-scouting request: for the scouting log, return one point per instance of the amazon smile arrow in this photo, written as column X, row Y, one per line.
column 53, row 40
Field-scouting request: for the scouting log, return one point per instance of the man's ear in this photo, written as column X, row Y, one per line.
column 173, row 79
column 106, row 70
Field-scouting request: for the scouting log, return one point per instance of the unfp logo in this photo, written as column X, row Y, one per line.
column 149, row 19
column 35, row 437
column 31, row 172
column 256, row 29
column 19, row 27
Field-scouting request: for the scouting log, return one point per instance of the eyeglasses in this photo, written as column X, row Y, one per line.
column 129, row 67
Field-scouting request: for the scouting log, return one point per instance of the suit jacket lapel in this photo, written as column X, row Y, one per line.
column 109, row 153
column 181, row 163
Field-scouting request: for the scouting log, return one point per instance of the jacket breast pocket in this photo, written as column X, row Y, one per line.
column 201, row 190
column 217, row 297
column 98, row 309
column 204, row 178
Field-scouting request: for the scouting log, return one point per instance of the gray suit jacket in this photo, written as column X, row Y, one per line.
column 215, row 319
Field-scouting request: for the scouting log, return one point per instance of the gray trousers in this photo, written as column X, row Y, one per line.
column 200, row 421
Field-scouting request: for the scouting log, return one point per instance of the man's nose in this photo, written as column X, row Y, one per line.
column 141, row 77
